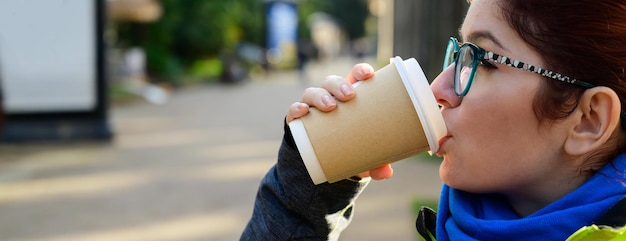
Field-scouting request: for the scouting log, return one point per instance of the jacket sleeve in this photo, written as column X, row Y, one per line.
column 289, row 206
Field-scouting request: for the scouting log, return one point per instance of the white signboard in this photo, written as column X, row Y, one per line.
column 48, row 55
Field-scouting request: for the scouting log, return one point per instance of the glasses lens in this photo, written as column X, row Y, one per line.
column 464, row 72
column 448, row 59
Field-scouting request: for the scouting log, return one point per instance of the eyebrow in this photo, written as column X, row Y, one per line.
column 475, row 36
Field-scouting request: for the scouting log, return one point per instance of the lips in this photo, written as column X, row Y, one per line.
column 442, row 141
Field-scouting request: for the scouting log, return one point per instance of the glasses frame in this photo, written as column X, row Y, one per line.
column 479, row 54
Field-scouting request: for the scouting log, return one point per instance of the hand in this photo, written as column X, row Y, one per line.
column 324, row 98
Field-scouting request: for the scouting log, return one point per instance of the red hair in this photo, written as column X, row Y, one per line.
column 584, row 39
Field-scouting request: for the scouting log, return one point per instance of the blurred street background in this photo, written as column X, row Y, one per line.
column 156, row 120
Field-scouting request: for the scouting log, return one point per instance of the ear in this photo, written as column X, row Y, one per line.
column 594, row 120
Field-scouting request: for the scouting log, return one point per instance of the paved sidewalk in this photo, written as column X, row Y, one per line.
column 185, row 170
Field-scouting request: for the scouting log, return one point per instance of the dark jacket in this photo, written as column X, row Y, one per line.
column 289, row 206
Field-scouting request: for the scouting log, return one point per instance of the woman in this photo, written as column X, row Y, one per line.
column 532, row 98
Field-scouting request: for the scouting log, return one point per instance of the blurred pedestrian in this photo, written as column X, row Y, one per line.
column 2, row 101
column 305, row 53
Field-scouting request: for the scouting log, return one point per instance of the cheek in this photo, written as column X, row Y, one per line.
column 499, row 110
column 491, row 132
column 496, row 119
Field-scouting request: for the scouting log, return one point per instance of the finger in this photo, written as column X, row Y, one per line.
column 297, row 110
column 382, row 172
column 360, row 72
column 319, row 98
column 364, row 174
column 339, row 87
column 379, row 173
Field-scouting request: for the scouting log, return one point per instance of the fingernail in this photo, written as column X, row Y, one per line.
column 328, row 101
column 365, row 71
column 346, row 90
column 300, row 106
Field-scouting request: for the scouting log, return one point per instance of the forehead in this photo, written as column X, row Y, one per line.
column 483, row 16
column 485, row 26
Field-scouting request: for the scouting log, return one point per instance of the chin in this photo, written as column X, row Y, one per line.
column 447, row 176
column 457, row 180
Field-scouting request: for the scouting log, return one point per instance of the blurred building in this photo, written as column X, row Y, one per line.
column 417, row 28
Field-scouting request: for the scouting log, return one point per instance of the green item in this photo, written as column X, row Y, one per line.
column 596, row 233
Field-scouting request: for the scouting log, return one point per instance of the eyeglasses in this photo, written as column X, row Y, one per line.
column 468, row 56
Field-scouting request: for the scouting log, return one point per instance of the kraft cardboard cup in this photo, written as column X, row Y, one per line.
column 393, row 116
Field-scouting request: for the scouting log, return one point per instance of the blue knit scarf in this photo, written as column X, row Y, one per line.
column 467, row 216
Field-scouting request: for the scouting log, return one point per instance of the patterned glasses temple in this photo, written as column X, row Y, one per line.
column 528, row 67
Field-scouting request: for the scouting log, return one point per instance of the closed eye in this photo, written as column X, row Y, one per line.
column 488, row 64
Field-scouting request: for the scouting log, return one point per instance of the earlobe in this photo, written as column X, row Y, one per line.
column 595, row 119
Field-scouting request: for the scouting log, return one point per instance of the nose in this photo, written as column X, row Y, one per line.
column 443, row 88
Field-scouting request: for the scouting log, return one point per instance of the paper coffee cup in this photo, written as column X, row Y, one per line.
column 393, row 116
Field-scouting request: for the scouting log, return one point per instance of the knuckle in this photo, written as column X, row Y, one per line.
column 312, row 95
column 332, row 81
column 310, row 90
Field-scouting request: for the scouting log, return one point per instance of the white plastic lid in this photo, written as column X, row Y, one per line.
column 306, row 151
column 423, row 100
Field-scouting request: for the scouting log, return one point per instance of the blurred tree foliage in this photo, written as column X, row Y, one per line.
column 190, row 30
column 194, row 30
